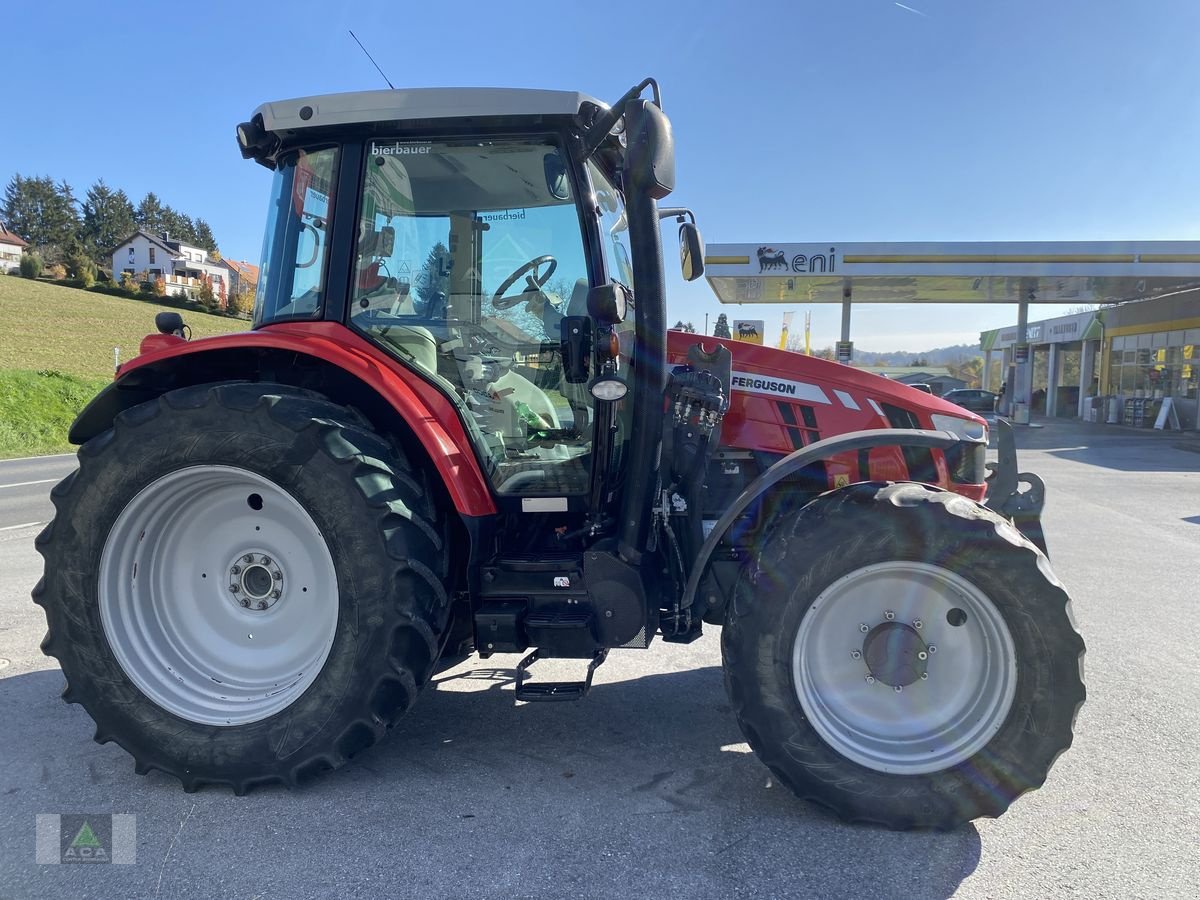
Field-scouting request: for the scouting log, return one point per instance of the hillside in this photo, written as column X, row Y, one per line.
column 940, row 356
column 67, row 330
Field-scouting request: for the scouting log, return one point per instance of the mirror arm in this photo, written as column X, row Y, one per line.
column 599, row 131
column 678, row 213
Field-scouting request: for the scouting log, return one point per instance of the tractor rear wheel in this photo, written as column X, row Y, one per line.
column 243, row 584
column 903, row 656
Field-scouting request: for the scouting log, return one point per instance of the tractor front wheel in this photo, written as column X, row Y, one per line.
column 904, row 656
column 243, row 584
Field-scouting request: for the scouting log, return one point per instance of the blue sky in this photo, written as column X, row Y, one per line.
column 855, row 120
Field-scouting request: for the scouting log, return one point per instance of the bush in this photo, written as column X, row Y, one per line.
column 160, row 286
column 207, row 298
column 57, row 271
column 31, row 265
column 241, row 305
column 129, row 282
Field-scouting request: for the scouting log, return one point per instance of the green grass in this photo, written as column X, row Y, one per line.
column 68, row 330
column 56, row 353
column 37, row 409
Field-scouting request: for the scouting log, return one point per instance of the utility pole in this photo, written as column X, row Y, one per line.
column 706, row 323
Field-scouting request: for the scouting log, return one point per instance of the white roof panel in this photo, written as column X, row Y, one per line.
column 417, row 103
column 952, row 272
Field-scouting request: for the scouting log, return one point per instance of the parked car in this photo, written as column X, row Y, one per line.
column 921, row 386
column 972, row 399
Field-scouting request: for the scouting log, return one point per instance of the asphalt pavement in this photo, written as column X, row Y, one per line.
column 646, row 788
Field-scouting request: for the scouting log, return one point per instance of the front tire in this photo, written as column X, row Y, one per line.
column 903, row 656
column 243, row 584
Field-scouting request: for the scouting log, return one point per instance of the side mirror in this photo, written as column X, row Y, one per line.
column 608, row 303
column 557, row 182
column 650, row 148
column 691, row 251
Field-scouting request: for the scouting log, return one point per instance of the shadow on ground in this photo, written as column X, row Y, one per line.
column 644, row 787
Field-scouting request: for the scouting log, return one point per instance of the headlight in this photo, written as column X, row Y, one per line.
column 609, row 389
column 964, row 428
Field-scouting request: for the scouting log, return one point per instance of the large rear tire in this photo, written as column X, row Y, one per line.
column 243, row 584
column 903, row 656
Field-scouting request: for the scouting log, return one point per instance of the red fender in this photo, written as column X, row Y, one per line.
column 430, row 415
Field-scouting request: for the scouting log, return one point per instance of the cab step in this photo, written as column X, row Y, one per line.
column 548, row 691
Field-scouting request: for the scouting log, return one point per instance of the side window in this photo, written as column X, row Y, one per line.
column 614, row 227
column 293, row 261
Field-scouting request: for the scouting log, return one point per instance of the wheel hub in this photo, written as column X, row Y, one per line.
column 895, row 654
column 255, row 581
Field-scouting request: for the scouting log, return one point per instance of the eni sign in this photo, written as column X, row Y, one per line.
column 772, row 260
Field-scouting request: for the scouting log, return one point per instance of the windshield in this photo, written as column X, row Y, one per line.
column 469, row 255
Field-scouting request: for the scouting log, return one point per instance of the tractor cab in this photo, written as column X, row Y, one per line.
column 496, row 264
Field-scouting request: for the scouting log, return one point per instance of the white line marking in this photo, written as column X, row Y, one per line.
column 15, row 527
column 28, row 458
column 27, row 483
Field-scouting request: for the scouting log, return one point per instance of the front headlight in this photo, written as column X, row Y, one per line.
column 967, row 429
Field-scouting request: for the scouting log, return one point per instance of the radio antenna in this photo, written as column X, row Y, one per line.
column 375, row 64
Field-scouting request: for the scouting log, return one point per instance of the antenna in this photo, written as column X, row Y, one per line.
column 375, row 64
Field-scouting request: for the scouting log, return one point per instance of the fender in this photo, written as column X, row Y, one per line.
column 256, row 355
column 794, row 462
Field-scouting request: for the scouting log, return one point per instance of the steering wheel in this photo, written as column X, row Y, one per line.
column 533, row 282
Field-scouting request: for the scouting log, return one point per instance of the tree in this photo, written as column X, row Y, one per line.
column 434, row 279
column 31, row 264
column 685, row 326
column 825, row 353
column 149, row 214
column 107, row 220
column 41, row 212
column 205, row 239
column 920, row 361
column 721, row 328
column 177, row 226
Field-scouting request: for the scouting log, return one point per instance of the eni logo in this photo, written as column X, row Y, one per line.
column 818, row 262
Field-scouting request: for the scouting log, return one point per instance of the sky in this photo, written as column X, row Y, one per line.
column 860, row 120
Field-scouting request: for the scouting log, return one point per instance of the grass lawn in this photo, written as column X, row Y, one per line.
column 61, row 329
column 56, row 353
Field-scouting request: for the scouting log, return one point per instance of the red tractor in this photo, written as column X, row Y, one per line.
column 459, row 423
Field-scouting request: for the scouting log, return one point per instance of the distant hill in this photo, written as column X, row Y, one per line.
column 940, row 356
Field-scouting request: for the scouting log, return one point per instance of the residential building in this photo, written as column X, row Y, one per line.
column 182, row 266
column 11, row 248
column 938, row 378
column 243, row 277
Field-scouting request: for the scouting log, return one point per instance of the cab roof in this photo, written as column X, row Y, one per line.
column 364, row 107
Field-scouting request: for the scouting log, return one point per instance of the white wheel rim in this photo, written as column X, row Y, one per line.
column 171, row 615
column 933, row 722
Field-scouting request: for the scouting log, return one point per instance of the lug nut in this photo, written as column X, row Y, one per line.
column 899, row 688
column 889, row 615
column 262, row 604
column 245, row 601
column 870, row 679
column 277, row 575
column 863, row 628
column 266, row 560
column 248, row 558
column 234, row 588
column 854, row 654
column 922, row 655
column 276, row 595
column 236, row 570
column 924, row 676
column 917, row 623
column 932, row 649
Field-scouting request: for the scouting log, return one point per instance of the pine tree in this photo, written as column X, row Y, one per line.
column 107, row 220
column 43, row 213
column 204, row 236
column 434, row 278
column 149, row 215
column 721, row 328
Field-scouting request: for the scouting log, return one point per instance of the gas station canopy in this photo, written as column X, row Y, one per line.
column 994, row 272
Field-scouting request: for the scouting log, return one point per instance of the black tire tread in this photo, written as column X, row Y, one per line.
column 842, row 789
column 413, row 535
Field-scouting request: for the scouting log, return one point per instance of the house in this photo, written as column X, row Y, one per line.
column 11, row 248
column 938, row 378
column 243, row 277
column 182, row 266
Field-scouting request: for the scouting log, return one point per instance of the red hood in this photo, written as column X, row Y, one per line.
column 786, row 365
